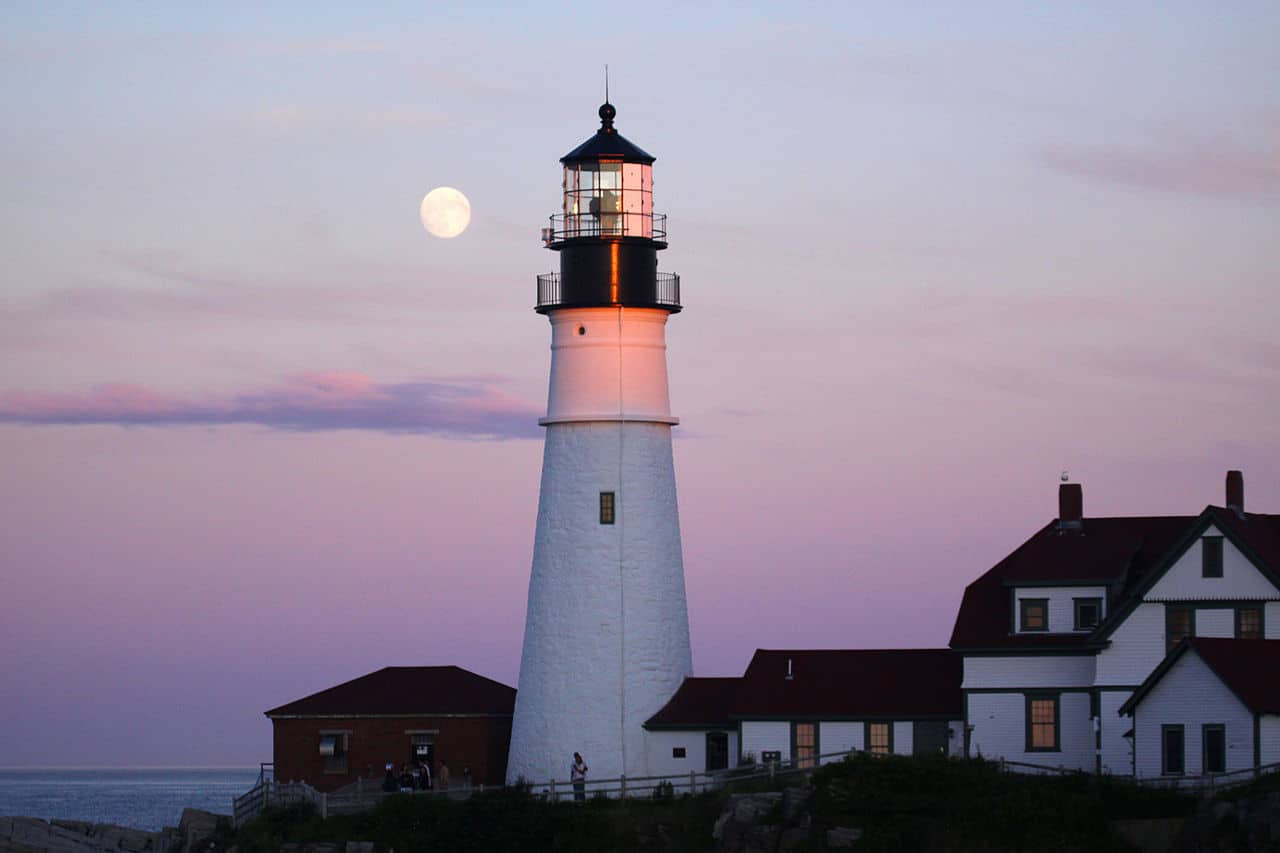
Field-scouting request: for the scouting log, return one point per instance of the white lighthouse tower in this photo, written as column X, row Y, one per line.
column 606, row 639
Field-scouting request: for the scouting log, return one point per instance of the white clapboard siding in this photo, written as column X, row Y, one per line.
column 1028, row 671
column 1117, row 750
column 1191, row 695
column 1269, row 728
column 1185, row 581
column 999, row 730
column 1137, row 647
column 1217, row 622
column 955, row 746
column 1272, row 618
column 759, row 736
column 839, row 736
column 904, row 737
column 660, row 746
column 1062, row 613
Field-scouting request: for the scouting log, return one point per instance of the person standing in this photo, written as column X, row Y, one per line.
column 578, row 775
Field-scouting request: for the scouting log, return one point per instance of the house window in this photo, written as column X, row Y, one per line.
column 804, row 744
column 1042, row 723
column 1088, row 613
column 333, row 749
column 879, row 738
column 1213, row 743
column 1035, row 614
column 1172, row 755
column 1211, row 556
column 1179, row 622
column 606, row 508
column 1249, row 623
column 677, row 752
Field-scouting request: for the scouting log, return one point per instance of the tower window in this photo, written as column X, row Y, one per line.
column 606, row 508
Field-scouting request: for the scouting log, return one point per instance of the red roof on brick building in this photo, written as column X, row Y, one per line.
column 407, row 691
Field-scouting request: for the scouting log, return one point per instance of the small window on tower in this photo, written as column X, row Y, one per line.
column 606, row 508
column 677, row 752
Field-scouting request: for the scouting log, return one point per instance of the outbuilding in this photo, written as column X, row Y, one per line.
column 1212, row 706
column 433, row 715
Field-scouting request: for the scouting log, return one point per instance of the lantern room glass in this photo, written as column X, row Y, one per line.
column 608, row 199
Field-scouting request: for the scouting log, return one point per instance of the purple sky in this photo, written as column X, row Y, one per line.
column 260, row 433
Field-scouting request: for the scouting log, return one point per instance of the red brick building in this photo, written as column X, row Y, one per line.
column 439, row 715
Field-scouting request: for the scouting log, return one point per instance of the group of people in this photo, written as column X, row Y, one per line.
column 418, row 778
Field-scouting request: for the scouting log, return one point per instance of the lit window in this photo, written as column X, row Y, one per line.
column 1042, row 723
column 880, row 738
column 1179, row 623
column 1172, row 756
column 1211, row 556
column 606, row 507
column 1035, row 614
column 1088, row 613
column 1249, row 623
column 805, row 737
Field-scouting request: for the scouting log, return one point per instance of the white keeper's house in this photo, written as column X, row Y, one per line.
column 1071, row 644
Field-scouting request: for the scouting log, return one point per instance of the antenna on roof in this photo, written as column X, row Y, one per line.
column 606, row 82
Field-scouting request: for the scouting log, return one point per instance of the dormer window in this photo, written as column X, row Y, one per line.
column 1088, row 613
column 1211, row 556
column 1034, row 614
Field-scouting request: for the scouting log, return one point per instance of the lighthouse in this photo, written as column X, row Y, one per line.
column 606, row 639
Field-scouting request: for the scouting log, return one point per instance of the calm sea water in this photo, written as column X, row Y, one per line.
column 144, row 799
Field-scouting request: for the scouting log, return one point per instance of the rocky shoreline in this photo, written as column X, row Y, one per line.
column 28, row 834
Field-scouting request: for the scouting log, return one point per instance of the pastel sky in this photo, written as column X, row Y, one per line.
column 260, row 433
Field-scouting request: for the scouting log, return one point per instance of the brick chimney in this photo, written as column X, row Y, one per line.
column 1070, row 506
column 1235, row 492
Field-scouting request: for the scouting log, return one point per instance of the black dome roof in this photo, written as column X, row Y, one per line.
column 607, row 144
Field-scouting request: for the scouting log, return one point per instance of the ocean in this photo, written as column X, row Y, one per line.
column 141, row 798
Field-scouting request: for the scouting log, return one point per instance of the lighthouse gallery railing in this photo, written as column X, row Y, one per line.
column 667, row 289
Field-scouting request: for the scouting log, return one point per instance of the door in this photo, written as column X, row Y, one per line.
column 929, row 737
column 717, row 750
column 424, row 752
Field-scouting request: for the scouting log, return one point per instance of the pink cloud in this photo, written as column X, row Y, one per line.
column 1211, row 167
column 311, row 402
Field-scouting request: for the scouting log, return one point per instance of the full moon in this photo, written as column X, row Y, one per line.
column 445, row 212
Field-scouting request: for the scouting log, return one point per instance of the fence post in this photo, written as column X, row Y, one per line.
column 554, row 798
column 324, row 806
column 623, row 780
column 693, row 782
column 772, row 769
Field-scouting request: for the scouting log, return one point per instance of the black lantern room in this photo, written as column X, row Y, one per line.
column 608, row 236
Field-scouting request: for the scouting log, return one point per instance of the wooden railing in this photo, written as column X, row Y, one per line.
column 364, row 794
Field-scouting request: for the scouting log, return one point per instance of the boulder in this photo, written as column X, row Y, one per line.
column 842, row 836
column 742, row 812
column 793, row 800
column 792, row 839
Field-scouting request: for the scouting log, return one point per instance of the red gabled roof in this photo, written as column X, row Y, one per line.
column 1105, row 551
column 1260, row 532
column 851, row 683
column 411, row 691
column 1249, row 668
column 699, row 703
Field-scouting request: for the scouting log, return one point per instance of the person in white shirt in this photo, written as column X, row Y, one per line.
column 578, row 775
